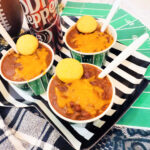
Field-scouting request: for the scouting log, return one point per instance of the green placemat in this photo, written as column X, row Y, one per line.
column 128, row 28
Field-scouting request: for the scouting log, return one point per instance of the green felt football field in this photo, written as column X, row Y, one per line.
column 128, row 28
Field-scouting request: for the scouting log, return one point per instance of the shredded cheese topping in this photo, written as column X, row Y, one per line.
column 81, row 92
column 31, row 65
column 92, row 42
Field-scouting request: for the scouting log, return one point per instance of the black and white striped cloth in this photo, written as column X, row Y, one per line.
column 129, row 82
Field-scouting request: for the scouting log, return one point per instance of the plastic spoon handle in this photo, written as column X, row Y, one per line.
column 110, row 15
column 7, row 37
column 125, row 54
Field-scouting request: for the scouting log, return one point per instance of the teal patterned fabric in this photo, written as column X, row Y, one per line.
column 123, row 138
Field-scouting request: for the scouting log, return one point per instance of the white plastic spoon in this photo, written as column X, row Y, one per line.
column 110, row 15
column 7, row 37
column 124, row 54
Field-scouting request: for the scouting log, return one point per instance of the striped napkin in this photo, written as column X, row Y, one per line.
column 26, row 129
column 129, row 83
column 18, row 133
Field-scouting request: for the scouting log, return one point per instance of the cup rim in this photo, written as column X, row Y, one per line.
column 33, row 79
column 81, row 121
column 100, row 20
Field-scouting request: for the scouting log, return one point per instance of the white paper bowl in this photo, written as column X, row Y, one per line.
column 81, row 121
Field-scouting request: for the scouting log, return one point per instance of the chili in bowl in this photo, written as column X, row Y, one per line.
column 28, row 71
column 83, row 100
column 90, row 47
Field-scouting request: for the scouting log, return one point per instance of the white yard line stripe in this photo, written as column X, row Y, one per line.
column 145, row 50
column 118, row 18
column 147, row 92
column 99, row 16
column 87, row 8
column 80, row 14
column 140, row 107
column 75, row 14
column 131, row 28
column 94, row 1
column 126, row 24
